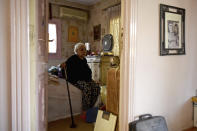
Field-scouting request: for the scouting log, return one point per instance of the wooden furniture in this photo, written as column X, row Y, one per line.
column 105, row 66
column 113, row 87
column 94, row 64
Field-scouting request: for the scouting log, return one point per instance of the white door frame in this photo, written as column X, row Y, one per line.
column 127, row 66
column 20, row 67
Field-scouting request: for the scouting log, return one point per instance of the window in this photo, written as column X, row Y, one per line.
column 52, row 38
column 54, row 44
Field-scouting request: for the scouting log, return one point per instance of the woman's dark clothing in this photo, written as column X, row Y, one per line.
column 80, row 75
column 78, row 70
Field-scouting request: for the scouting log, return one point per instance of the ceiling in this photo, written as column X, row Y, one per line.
column 85, row 2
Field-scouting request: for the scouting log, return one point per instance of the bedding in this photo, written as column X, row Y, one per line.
column 58, row 102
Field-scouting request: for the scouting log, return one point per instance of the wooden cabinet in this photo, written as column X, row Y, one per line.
column 99, row 67
column 94, row 64
column 105, row 66
column 113, row 91
column 113, row 87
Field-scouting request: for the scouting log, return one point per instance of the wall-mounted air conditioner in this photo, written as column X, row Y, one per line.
column 69, row 12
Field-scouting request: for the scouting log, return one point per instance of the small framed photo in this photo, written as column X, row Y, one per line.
column 172, row 30
column 97, row 32
column 73, row 35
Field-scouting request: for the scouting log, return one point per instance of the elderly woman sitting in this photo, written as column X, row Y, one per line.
column 80, row 75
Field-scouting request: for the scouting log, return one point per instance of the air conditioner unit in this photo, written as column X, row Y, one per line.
column 69, row 12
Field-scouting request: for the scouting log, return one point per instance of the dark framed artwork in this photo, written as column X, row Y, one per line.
column 172, row 30
column 97, row 32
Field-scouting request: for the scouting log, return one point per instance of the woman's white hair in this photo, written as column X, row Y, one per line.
column 77, row 46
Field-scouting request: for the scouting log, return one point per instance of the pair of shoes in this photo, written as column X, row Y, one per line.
column 83, row 116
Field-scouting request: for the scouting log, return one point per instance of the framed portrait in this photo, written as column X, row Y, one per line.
column 73, row 34
column 97, row 32
column 172, row 30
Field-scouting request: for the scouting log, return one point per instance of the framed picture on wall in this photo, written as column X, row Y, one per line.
column 97, row 32
column 172, row 30
column 73, row 34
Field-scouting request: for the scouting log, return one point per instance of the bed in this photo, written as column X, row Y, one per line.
column 58, row 103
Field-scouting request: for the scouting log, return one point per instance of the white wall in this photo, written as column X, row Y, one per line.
column 5, row 79
column 165, row 84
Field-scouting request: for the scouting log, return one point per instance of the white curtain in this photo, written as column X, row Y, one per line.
column 113, row 15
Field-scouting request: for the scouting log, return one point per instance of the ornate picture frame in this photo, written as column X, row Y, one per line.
column 73, row 35
column 172, row 30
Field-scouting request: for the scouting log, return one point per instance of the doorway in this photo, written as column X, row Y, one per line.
column 125, row 77
column 39, row 44
column 78, row 22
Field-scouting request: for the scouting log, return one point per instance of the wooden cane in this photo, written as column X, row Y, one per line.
column 73, row 125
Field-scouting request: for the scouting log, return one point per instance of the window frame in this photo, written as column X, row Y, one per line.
column 56, row 55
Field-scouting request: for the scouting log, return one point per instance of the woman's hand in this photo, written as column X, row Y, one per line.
column 63, row 65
